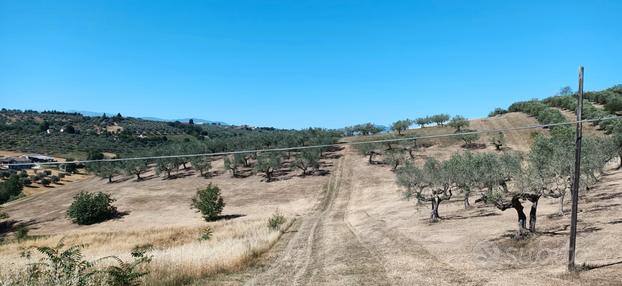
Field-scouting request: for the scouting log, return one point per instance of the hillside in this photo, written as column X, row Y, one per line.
column 348, row 224
column 74, row 135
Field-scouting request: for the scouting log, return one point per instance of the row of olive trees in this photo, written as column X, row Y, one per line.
column 438, row 119
column 307, row 160
column 362, row 129
column 505, row 179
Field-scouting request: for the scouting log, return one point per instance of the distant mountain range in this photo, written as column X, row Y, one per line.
column 196, row 120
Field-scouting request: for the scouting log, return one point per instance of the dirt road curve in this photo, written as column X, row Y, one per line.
column 324, row 248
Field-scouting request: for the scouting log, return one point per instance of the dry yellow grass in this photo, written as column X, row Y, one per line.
column 178, row 254
column 159, row 214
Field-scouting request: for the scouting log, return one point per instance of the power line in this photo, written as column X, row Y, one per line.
column 322, row 145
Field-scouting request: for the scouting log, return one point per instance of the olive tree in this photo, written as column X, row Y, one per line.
column 135, row 167
column 267, row 163
column 394, row 157
column 468, row 136
column 459, row 122
column 423, row 121
column 431, row 183
column 308, row 159
column 401, row 125
column 552, row 157
column 368, row 149
column 498, row 139
column 548, row 173
column 167, row 165
column 440, row 119
column 106, row 170
column 461, row 168
column 233, row 163
column 201, row 164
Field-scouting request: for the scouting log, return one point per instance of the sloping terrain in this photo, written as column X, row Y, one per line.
column 350, row 227
column 375, row 237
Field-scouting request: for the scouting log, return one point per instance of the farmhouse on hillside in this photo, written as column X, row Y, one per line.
column 5, row 161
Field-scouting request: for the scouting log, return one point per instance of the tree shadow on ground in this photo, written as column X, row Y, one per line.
column 607, row 196
column 121, row 180
column 332, row 156
column 599, row 208
column 10, row 225
column 474, row 146
column 228, row 217
column 588, row 266
column 146, row 178
column 210, row 174
column 179, row 175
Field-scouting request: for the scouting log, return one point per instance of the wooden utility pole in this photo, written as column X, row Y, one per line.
column 572, row 249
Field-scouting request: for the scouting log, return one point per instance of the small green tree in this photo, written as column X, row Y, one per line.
column 308, row 159
column 498, row 140
column 367, row 149
column 423, row 121
column 233, row 163
column 201, row 164
column 209, row 202
column 459, row 122
column 401, row 125
column 90, row 208
column 135, row 167
column 55, row 179
column 267, row 163
column 394, row 158
column 468, row 137
column 45, row 182
column 440, row 119
column 106, row 170
column 167, row 166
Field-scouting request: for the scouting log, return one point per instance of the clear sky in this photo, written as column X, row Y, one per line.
column 295, row 64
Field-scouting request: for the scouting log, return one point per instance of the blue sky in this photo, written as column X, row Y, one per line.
column 295, row 64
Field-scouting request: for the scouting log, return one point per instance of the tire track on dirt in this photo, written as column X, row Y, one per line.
column 406, row 261
column 324, row 249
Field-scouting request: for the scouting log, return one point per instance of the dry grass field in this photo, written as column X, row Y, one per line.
column 350, row 227
column 157, row 212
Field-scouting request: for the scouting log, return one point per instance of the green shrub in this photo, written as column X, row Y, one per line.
column 23, row 174
column 45, row 181
column 90, row 208
column 5, row 174
column 21, row 233
column 497, row 111
column 209, row 202
column 10, row 189
column 276, row 220
column 62, row 265
column 61, row 175
column 26, row 181
column 206, row 233
column 59, row 266
column 47, row 172
column 129, row 273
column 54, row 179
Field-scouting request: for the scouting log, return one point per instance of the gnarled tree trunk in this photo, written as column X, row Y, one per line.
column 522, row 218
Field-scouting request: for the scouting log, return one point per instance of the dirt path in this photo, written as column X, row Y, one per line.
column 324, row 248
column 334, row 246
